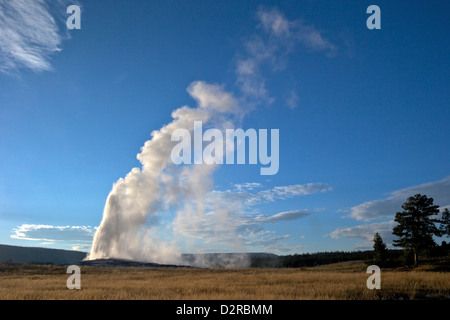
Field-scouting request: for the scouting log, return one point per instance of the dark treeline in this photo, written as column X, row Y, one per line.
column 394, row 258
column 310, row 259
column 320, row 258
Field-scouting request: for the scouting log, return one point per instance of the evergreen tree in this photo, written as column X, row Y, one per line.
column 415, row 225
column 445, row 223
column 380, row 250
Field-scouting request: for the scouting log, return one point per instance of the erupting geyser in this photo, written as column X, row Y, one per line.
column 127, row 229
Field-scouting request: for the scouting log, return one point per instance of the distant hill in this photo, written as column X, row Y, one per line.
column 36, row 255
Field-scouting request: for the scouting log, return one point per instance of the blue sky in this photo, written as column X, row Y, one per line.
column 363, row 114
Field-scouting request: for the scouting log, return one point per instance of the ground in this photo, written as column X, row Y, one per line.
column 337, row 281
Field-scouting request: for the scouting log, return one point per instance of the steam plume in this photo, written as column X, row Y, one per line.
column 127, row 230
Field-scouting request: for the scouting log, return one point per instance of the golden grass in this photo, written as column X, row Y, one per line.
column 339, row 281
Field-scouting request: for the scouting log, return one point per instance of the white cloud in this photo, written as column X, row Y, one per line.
column 247, row 186
column 29, row 34
column 274, row 22
column 313, row 39
column 286, row 192
column 270, row 242
column 277, row 25
column 246, row 67
column 386, row 208
column 271, row 47
column 284, row 216
column 246, row 194
column 292, row 100
column 367, row 231
column 48, row 233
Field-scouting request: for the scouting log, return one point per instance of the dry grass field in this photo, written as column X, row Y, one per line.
column 343, row 281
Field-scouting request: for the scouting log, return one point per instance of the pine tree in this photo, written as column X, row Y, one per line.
column 445, row 223
column 380, row 250
column 416, row 227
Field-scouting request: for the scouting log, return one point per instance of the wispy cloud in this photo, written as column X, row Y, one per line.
column 253, row 232
column 248, row 196
column 232, row 216
column 283, row 216
column 386, row 208
column 270, row 242
column 286, row 192
column 71, row 236
column 29, row 34
column 277, row 25
column 247, row 186
column 270, row 47
column 292, row 100
column 367, row 231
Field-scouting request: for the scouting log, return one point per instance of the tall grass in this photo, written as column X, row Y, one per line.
column 344, row 282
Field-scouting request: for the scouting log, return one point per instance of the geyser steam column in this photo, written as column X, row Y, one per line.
column 213, row 152
column 125, row 231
